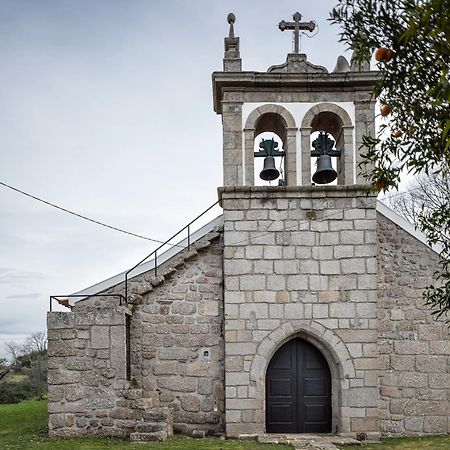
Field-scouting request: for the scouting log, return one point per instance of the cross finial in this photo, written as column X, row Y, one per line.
column 296, row 26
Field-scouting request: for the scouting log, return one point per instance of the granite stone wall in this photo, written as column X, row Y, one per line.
column 181, row 342
column 88, row 392
column 414, row 361
column 301, row 261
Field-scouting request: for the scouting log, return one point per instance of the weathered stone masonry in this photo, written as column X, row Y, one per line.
column 176, row 354
column 414, row 361
column 299, row 261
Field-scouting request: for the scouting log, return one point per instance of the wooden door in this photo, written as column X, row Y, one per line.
column 298, row 390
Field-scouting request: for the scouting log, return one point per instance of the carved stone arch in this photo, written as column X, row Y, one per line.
column 335, row 120
column 270, row 108
column 331, row 346
column 289, row 138
column 326, row 107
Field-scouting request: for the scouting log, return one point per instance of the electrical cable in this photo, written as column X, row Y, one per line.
column 80, row 215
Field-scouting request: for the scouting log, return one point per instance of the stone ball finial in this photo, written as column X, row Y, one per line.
column 231, row 18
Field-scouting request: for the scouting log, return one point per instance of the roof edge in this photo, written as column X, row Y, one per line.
column 149, row 265
column 406, row 226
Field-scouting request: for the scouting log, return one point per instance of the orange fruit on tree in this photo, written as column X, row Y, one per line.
column 385, row 110
column 379, row 185
column 389, row 55
column 397, row 133
column 380, row 54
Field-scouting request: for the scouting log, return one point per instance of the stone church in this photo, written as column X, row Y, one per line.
column 298, row 310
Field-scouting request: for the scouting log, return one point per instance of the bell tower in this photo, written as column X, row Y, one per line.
column 293, row 100
column 300, row 249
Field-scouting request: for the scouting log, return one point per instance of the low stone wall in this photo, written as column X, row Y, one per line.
column 88, row 391
column 414, row 364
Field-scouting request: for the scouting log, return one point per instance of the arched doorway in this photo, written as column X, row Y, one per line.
column 298, row 390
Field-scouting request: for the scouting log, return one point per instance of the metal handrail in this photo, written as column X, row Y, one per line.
column 66, row 297
column 155, row 252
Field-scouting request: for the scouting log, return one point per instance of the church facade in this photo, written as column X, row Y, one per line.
column 299, row 310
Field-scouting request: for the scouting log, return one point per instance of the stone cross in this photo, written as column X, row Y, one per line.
column 296, row 26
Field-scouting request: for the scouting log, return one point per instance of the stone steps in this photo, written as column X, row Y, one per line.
column 156, row 426
column 308, row 441
column 157, row 436
column 178, row 262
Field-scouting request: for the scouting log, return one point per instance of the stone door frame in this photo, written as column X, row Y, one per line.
column 332, row 348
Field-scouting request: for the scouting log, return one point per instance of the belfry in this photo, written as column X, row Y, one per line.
column 299, row 310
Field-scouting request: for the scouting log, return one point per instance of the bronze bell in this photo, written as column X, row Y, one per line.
column 325, row 173
column 270, row 172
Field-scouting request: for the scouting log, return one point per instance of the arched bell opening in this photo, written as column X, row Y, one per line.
column 319, row 165
column 298, row 390
column 264, row 164
column 335, row 124
column 329, row 124
column 269, row 151
column 270, row 122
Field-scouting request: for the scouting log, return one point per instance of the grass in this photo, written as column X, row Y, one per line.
column 23, row 426
column 421, row 443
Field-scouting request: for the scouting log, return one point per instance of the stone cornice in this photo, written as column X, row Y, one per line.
column 358, row 190
column 247, row 81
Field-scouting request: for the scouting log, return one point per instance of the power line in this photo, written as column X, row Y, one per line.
column 80, row 215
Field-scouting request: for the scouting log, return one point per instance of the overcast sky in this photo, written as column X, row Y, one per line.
column 106, row 109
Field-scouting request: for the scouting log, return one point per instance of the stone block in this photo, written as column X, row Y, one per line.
column 178, row 384
column 329, row 267
column 286, row 267
column 190, row 403
column 414, row 424
column 440, row 380
column 297, row 282
column 58, row 320
column 175, row 353
column 237, row 379
column 318, row 283
column 81, row 364
column 320, row 311
column 166, row 368
column 350, row 237
column 293, row 311
column 252, row 282
column 259, row 310
column 342, row 310
column 360, row 397
column 309, row 267
column 426, row 408
column 238, row 266
column 410, row 347
column 203, row 369
column 437, row 364
column 62, row 376
column 263, row 266
column 183, row 308
column 440, row 347
column 354, row 265
column 58, row 348
column 240, row 348
column 100, row 336
column 209, row 308
column 435, row 425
